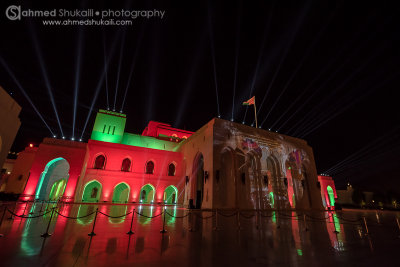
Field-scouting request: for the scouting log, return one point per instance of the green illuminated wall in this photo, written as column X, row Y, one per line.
column 148, row 142
column 109, row 126
column 331, row 196
column 121, row 193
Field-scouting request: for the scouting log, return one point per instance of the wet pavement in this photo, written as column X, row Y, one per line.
column 201, row 238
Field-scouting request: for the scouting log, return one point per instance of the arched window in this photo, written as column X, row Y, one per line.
column 171, row 169
column 126, row 165
column 94, row 192
column 99, row 162
column 149, row 167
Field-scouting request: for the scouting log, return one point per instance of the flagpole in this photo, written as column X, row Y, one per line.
column 255, row 111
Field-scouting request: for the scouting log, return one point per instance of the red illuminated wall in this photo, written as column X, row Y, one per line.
column 73, row 152
column 326, row 181
column 155, row 129
column 136, row 177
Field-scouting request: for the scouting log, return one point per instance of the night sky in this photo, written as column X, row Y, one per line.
column 326, row 70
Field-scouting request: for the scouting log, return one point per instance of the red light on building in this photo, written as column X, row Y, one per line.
column 30, row 145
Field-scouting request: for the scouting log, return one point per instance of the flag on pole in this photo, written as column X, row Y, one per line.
column 249, row 102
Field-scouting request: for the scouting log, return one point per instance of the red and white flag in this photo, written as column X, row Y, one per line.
column 249, row 102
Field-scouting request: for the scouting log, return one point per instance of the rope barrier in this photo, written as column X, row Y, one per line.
column 233, row 214
column 246, row 216
column 115, row 217
column 204, row 218
column 148, row 216
column 74, row 218
column 178, row 217
column 28, row 217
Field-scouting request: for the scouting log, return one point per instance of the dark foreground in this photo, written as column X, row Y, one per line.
column 200, row 239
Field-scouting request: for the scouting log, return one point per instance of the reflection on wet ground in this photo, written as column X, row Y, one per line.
column 198, row 238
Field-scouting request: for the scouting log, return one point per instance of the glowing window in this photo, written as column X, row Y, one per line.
column 99, row 162
column 150, row 167
column 94, row 192
column 126, row 165
column 171, row 169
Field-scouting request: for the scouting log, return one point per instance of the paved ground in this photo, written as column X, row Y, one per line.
column 277, row 239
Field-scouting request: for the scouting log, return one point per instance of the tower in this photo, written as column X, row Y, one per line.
column 109, row 126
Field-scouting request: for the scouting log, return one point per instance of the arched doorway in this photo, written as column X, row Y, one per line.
column 277, row 186
column 57, row 190
column 170, row 195
column 241, row 198
column 198, row 175
column 55, row 171
column 147, row 194
column 290, row 185
column 226, row 182
column 92, row 192
column 271, row 200
column 121, row 193
column 331, row 196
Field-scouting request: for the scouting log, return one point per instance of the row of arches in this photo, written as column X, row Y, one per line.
column 252, row 180
column 100, row 163
column 93, row 189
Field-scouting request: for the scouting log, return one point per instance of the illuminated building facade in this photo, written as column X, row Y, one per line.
column 10, row 123
column 222, row 165
column 328, row 191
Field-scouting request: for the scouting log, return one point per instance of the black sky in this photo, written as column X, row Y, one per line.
column 329, row 69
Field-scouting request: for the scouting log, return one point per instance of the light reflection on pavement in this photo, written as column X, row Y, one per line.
column 200, row 238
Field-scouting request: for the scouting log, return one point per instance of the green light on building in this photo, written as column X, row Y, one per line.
column 109, row 126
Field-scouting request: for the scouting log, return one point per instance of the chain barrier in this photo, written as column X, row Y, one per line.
column 115, row 217
column 233, row 214
column 177, row 217
column 75, row 218
column 204, row 218
column 150, row 217
column 28, row 217
column 214, row 213
column 246, row 216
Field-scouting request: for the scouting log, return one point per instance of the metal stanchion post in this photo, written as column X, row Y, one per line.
column 238, row 220
column 41, row 206
column 94, row 224
column 23, row 213
column 163, row 226
column 305, row 224
column 190, row 221
column 216, row 220
column 48, row 225
column 2, row 217
column 130, row 230
column 4, row 213
column 398, row 223
column 11, row 214
column 33, row 206
column 366, row 226
column 257, row 220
